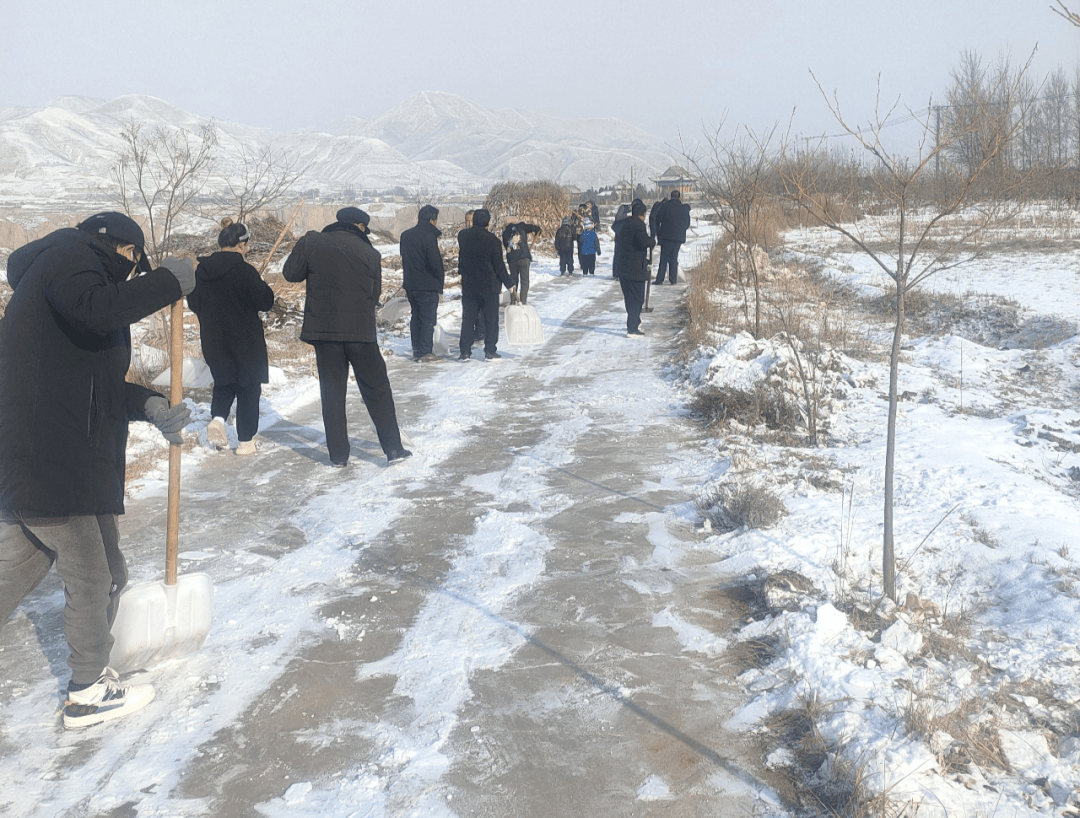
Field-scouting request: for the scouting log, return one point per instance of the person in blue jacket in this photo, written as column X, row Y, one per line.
column 588, row 248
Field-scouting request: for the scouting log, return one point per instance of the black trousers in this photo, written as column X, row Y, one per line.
column 487, row 304
column 566, row 261
column 333, row 359
column 634, row 298
column 247, row 406
column 669, row 261
column 519, row 271
column 588, row 264
column 425, row 312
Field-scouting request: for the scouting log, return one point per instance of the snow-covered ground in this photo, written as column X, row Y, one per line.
column 966, row 701
column 963, row 704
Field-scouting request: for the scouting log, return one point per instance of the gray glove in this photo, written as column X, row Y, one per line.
column 184, row 271
column 170, row 420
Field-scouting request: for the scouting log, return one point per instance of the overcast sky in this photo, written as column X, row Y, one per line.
column 666, row 65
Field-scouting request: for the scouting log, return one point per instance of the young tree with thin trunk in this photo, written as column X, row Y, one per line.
column 732, row 177
column 263, row 180
column 911, row 221
column 159, row 175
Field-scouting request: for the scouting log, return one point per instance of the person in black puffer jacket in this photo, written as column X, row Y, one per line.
column 483, row 275
column 632, row 243
column 343, row 274
column 423, row 278
column 229, row 294
column 65, row 347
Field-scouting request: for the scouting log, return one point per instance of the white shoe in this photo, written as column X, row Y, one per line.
column 105, row 700
column 247, row 447
column 216, row 434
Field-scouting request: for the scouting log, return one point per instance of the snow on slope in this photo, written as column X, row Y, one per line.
column 432, row 141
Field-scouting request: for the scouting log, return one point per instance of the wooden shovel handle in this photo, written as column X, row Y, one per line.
column 176, row 388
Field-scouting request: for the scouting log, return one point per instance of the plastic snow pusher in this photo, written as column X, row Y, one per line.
column 523, row 325
column 157, row 621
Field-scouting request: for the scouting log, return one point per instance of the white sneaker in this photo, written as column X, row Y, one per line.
column 105, row 700
column 247, row 447
column 216, row 434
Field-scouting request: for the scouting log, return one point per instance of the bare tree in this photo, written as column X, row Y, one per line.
column 265, row 177
column 732, row 178
column 1064, row 11
column 160, row 173
column 910, row 228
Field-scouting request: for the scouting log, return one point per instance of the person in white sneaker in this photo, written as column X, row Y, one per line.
column 65, row 348
column 229, row 294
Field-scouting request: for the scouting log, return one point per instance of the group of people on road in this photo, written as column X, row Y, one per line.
column 65, row 350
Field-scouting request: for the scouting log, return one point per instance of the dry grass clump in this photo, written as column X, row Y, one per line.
column 543, row 203
column 730, row 506
column 764, row 405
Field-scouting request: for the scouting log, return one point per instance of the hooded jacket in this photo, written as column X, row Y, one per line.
column 632, row 242
column 65, row 348
column 344, row 281
column 229, row 294
column 480, row 262
column 421, row 261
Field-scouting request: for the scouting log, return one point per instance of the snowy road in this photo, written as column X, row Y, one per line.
column 520, row 620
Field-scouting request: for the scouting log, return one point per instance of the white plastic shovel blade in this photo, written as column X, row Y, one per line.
column 523, row 325
column 394, row 310
column 155, row 622
column 442, row 338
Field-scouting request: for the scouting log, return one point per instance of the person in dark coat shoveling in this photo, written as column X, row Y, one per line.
column 228, row 297
column 65, row 347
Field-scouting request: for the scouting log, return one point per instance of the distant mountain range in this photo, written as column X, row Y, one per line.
column 430, row 143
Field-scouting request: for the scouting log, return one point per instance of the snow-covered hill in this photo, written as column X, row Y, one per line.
column 431, row 142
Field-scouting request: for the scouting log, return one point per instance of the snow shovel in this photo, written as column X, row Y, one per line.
column 157, row 621
column 394, row 309
column 523, row 324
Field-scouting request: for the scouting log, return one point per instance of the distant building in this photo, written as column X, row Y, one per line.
column 675, row 178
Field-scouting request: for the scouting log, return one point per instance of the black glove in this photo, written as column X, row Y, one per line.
column 184, row 271
column 170, row 420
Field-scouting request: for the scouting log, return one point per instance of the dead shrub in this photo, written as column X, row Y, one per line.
column 729, row 506
column 959, row 736
column 543, row 203
column 763, row 405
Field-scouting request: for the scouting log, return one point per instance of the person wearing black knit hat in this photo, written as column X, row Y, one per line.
column 228, row 297
column 342, row 272
column 65, row 347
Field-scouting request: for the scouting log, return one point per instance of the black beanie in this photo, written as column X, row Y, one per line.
column 353, row 215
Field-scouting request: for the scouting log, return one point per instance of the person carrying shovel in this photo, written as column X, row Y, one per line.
column 65, row 347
